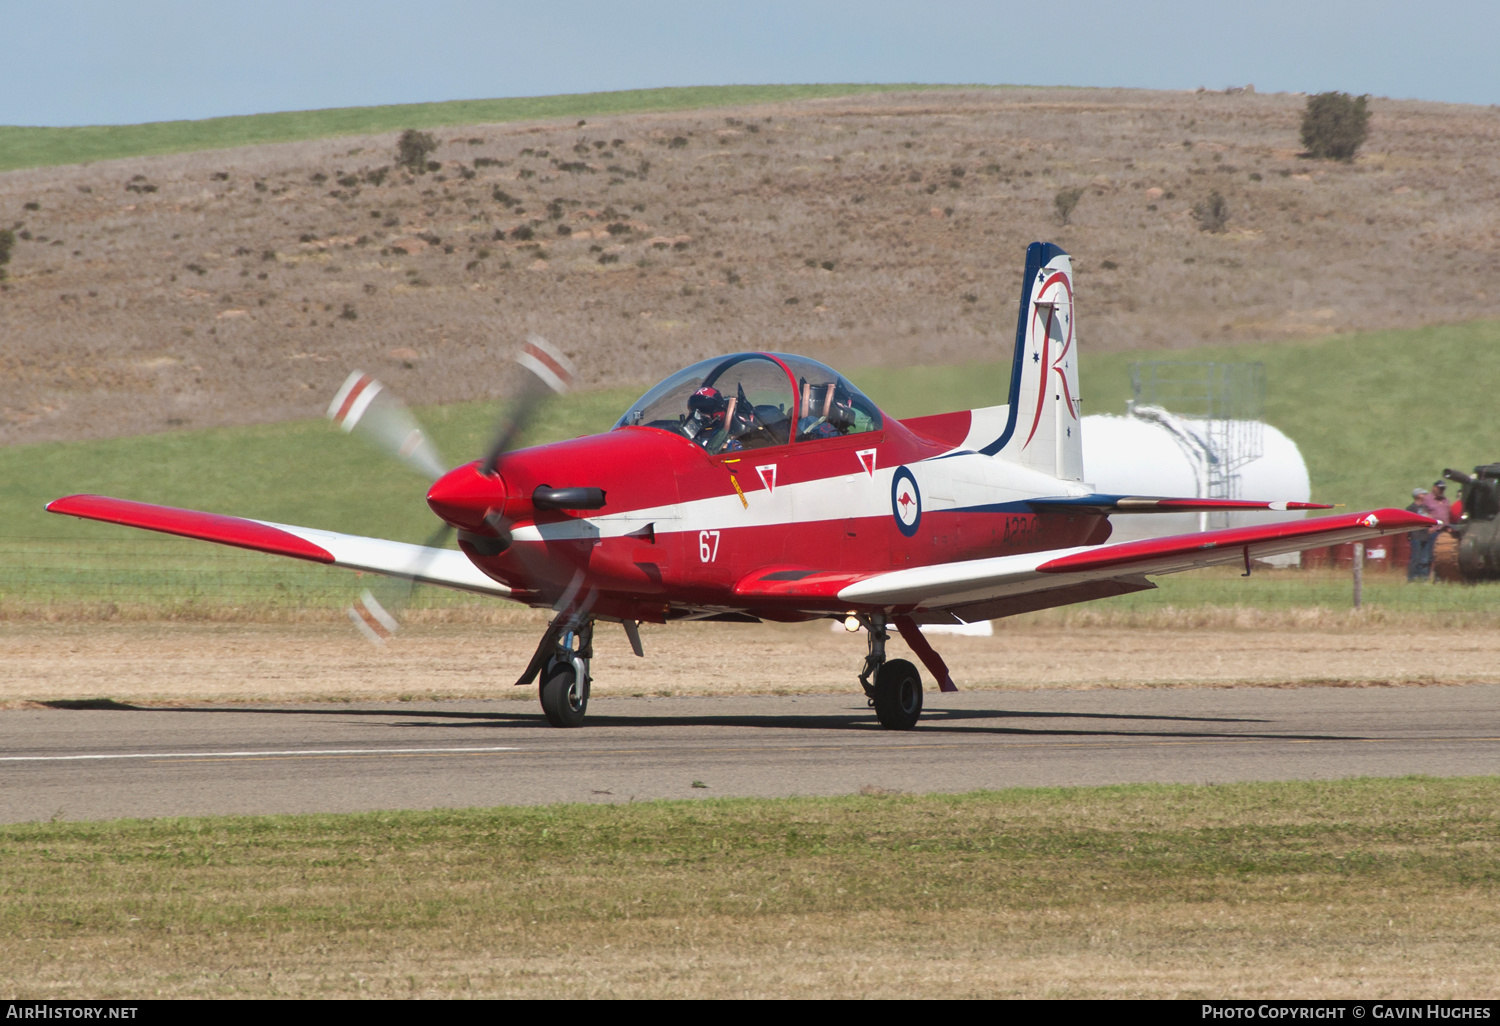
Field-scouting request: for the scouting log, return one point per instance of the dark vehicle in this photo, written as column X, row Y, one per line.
column 1479, row 528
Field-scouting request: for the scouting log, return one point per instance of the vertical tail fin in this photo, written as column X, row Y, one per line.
column 1042, row 430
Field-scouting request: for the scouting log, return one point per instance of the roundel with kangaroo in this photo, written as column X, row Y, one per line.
column 906, row 501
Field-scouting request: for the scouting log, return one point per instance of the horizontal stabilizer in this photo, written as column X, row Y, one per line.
column 1157, row 504
column 443, row 567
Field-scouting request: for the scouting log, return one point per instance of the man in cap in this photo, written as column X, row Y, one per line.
column 1433, row 504
column 1438, row 507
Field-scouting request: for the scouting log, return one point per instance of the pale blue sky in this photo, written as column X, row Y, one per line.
column 65, row 62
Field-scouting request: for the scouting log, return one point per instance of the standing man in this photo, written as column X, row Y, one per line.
column 1444, row 559
column 1419, row 563
column 1438, row 507
column 1434, row 504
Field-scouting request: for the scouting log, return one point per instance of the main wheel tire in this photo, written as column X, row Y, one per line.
column 565, row 698
column 898, row 695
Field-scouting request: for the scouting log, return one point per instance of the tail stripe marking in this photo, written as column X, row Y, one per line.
column 1038, row 255
column 1041, row 388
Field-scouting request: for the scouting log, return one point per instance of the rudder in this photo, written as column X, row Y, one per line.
column 1042, row 430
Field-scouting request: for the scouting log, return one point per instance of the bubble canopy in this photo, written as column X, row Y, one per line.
column 753, row 401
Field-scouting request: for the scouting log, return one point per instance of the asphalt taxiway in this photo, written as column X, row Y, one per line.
column 119, row 761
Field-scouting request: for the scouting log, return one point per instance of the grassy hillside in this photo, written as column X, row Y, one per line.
column 22, row 146
column 232, row 287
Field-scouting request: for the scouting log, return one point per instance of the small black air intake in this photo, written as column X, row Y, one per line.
column 567, row 498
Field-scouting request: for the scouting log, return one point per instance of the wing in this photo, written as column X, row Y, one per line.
column 981, row 589
column 443, row 567
column 984, row 589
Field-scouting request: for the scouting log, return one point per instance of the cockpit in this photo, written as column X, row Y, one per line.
column 754, row 401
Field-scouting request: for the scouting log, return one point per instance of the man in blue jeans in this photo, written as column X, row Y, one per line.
column 1434, row 504
column 1419, row 564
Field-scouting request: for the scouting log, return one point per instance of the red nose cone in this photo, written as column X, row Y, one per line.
column 463, row 496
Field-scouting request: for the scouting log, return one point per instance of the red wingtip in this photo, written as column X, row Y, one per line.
column 191, row 523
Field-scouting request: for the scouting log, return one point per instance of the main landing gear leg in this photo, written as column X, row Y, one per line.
column 565, row 677
column 896, row 690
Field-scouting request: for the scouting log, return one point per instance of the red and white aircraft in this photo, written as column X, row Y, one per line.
column 762, row 486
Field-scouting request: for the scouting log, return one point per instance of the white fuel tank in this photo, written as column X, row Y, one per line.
column 1132, row 456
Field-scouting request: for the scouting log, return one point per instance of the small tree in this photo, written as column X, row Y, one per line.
column 412, row 150
column 7, row 243
column 1334, row 125
column 1212, row 214
column 1065, row 201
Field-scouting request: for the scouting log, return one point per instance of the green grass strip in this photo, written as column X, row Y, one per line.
column 1288, row 879
column 22, row 146
column 1025, row 845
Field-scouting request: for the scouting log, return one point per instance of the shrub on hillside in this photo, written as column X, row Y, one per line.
column 1334, row 125
column 1212, row 214
column 412, row 150
column 7, row 243
column 1065, row 201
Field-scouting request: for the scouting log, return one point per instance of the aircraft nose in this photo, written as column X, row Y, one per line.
column 463, row 496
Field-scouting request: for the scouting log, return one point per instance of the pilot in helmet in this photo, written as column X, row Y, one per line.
column 705, row 414
column 705, row 418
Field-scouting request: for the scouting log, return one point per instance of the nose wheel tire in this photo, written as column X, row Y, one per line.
column 897, row 695
column 565, row 694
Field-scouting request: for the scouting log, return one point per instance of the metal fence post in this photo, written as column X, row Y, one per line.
column 1359, row 573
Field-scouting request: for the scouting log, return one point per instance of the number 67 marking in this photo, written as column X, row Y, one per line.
column 708, row 546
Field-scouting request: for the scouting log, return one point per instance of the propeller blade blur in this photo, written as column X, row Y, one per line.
column 364, row 404
column 377, row 612
column 552, row 373
column 548, row 363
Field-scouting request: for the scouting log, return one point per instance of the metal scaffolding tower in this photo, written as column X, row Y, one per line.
column 1213, row 411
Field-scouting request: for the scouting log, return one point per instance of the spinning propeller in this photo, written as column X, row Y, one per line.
column 364, row 405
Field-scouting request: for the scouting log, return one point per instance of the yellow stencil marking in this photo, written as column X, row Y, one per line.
column 736, row 482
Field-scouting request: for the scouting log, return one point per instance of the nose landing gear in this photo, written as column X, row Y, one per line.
column 896, row 690
column 562, row 659
column 564, row 688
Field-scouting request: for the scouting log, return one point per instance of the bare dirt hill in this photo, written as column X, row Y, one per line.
column 239, row 286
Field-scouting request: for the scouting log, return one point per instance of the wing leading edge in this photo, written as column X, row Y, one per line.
column 443, row 567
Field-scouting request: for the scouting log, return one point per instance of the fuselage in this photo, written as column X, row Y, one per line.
column 681, row 526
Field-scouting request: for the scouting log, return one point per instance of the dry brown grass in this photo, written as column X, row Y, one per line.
column 171, row 662
column 108, row 327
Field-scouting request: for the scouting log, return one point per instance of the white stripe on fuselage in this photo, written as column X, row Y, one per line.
column 963, row 480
